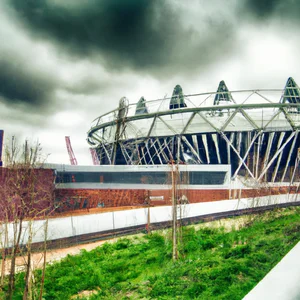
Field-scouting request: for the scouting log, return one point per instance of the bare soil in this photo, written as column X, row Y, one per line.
column 52, row 256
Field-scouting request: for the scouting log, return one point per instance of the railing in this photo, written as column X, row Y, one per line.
column 199, row 100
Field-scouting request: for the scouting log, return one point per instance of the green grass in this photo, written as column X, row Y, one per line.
column 213, row 263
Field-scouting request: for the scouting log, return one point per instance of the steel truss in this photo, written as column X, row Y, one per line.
column 259, row 140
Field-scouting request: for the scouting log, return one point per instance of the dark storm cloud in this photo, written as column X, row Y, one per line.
column 88, row 85
column 21, row 84
column 284, row 10
column 139, row 34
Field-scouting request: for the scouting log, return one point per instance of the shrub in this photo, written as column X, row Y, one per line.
column 122, row 244
column 238, row 251
column 195, row 289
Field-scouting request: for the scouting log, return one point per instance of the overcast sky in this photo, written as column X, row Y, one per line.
column 64, row 63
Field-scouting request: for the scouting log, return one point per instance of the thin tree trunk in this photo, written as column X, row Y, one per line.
column 28, row 278
column 174, row 209
column 44, row 264
column 148, row 219
column 4, row 254
column 27, row 288
column 11, row 285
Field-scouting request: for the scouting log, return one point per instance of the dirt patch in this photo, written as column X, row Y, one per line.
column 84, row 294
column 228, row 224
column 57, row 254
column 51, row 256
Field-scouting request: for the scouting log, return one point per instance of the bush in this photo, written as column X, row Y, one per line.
column 239, row 251
column 122, row 244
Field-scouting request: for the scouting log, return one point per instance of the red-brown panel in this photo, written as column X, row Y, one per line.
column 73, row 199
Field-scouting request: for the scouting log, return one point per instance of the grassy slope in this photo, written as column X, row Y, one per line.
column 213, row 264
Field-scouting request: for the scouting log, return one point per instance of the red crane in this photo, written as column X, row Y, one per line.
column 94, row 156
column 73, row 159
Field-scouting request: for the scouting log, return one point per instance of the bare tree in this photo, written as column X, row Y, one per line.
column 44, row 257
column 4, row 243
column 26, row 194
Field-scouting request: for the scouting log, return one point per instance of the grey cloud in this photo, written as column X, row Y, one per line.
column 284, row 10
column 21, row 84
column 17, row 120
column 136, row 34
column 88, row 86
column 153, row 37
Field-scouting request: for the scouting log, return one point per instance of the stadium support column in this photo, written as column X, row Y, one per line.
column 117, row 136
column 275, row 156
column 289, row 156
column 296, row 166
column 122, row 111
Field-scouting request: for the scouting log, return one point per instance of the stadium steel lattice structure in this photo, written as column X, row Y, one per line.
column 255, row 131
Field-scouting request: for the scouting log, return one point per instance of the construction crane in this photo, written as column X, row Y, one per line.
column 72, row 157
column 94, row 156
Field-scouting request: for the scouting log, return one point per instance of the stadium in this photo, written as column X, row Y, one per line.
column 253, row 131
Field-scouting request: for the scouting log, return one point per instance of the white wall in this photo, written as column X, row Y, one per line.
column 84, row 224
